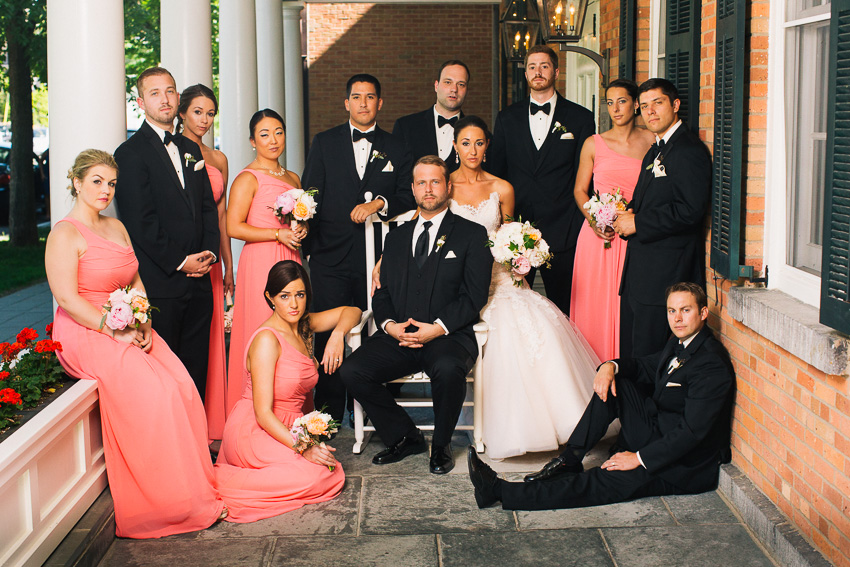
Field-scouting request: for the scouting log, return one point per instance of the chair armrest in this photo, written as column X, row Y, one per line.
column 358, row 328
column 481, row 329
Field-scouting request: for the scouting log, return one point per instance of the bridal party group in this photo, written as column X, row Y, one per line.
column 608, row 221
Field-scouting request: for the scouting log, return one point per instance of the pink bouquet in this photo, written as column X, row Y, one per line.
column 295, row 205
column 603, row 210
column 519, row 247
column 126, row 306
column 311, row 429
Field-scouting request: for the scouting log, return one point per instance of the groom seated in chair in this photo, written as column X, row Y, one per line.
column 435, row 277
column 674, row 409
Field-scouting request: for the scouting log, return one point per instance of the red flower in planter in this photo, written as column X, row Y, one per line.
column 4, row 350
column 48, row 345
column 48, row 330
column 9, row 396
column 3, row 375
column 27, row 335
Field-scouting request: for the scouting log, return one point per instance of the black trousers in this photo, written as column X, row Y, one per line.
column 381, row 359
column 596, row 486
column 644, row 329
column 558, row 278
column 333, row 287
column 184, row 324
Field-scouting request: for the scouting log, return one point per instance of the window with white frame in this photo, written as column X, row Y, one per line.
column 806, row 74
column 657, row 38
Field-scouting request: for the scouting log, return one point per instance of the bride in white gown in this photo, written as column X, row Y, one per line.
column 538, row 368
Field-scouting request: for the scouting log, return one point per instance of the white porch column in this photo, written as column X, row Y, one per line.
column 294, row 80
column 185, row 32
column 237, row 85
column 85, row 42
column 270, row 86
column 186, row 29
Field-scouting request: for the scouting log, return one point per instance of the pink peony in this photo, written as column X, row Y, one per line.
column 284, row 203
column 521, row 266
column 119, row 316
column 605, row 215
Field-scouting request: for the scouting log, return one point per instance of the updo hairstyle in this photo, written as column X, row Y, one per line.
column 86, row 160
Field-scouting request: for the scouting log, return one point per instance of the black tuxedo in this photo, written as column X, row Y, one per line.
column 166, row 223
column 679, row 423
column 451, row 286
column 543, row 182
column 336, row 245
column 669, row 243
column 419, row 134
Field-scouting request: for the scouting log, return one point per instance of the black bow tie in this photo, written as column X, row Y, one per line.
column 442, row 121
column 544, row 108
column 168, row 138
column 679, row 350
column 656, row 148
column 357, row 135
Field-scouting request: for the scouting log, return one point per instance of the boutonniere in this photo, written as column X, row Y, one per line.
column 680, row 362
column 656, row 161
column 189, row 158
column 441, row 241
column 377, row 155
column 559, row 128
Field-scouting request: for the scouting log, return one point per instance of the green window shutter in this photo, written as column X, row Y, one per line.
column 727, row 178
column 835, row 276
column 628, row 24
column 682, row 56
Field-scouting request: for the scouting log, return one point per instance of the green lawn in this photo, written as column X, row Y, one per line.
column 20, row 267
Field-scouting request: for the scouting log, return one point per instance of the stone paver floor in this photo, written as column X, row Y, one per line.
column 401, row 516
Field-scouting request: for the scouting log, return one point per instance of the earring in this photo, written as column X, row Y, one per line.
column 485, row 159
column 457, row 159
column 253, row 148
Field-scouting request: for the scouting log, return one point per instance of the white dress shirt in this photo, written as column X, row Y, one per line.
column 541, row 123
column 445, row 135
column 362, row 149
column 668, row 133
column 173, row 152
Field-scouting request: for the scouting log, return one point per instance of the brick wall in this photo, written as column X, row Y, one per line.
column 791, row 431
column 403, row 46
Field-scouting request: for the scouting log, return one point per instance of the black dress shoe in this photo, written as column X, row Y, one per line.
column 442, row 460
column 555, row 468
column 412, row 444
column 483, row 478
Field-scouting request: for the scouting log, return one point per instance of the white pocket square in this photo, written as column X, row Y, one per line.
column 673, row 385
column 567, row 136
column 658, row 170
column 199, row 165
column 388, row 168
column 450, row 255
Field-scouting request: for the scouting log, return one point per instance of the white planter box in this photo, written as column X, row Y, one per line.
column 51, row 470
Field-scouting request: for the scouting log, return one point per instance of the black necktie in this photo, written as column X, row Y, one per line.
column 420, row 254
column 544, row 108
column 357, row 135
column 442, row 121
column 678, row 349
column 168, row 138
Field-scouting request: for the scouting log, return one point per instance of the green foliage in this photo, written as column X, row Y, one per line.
column 141, row 38
column 30, row 368
column 22, row 265
column 27, row 20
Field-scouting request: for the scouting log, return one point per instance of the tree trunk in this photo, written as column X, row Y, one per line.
column 22, row 225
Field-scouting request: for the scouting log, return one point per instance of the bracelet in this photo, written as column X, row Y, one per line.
column 277, row 236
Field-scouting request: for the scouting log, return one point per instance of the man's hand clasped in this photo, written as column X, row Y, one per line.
column 624, row 224
column 410, row 338
column 197, row 265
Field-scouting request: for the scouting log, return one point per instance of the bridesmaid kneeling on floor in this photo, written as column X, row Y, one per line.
column 154, row 429
column 256, row 477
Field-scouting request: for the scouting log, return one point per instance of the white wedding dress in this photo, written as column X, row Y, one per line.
column 538, row 368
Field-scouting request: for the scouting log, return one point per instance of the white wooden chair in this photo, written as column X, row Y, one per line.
column 363, row 432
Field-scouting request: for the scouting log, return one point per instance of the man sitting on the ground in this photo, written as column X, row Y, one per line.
column 674, row 409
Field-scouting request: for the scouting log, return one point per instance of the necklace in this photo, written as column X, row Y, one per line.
column 280, row 173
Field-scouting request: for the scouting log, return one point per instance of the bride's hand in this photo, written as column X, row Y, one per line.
column 321, row 455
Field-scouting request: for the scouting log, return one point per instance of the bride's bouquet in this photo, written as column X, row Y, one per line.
column 603, row 210
column 311, row 429
column 295, row 205
column 126, row 305
column 518, row 246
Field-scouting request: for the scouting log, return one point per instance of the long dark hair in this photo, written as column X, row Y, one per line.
column 281, row 275
column 188, row 95
column 259, row 115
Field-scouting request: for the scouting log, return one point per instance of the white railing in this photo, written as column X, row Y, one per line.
column 51, row 471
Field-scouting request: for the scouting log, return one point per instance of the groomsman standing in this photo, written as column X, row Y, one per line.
column 344, row 163
column 431, row 131
column 164, row 198
column 536, row 146
column 664, row 225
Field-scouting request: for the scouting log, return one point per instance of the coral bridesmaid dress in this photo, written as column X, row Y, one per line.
column 214, row 400
column 257, row 476
column 249, row 306
column 154, row 430
column 595, row 307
